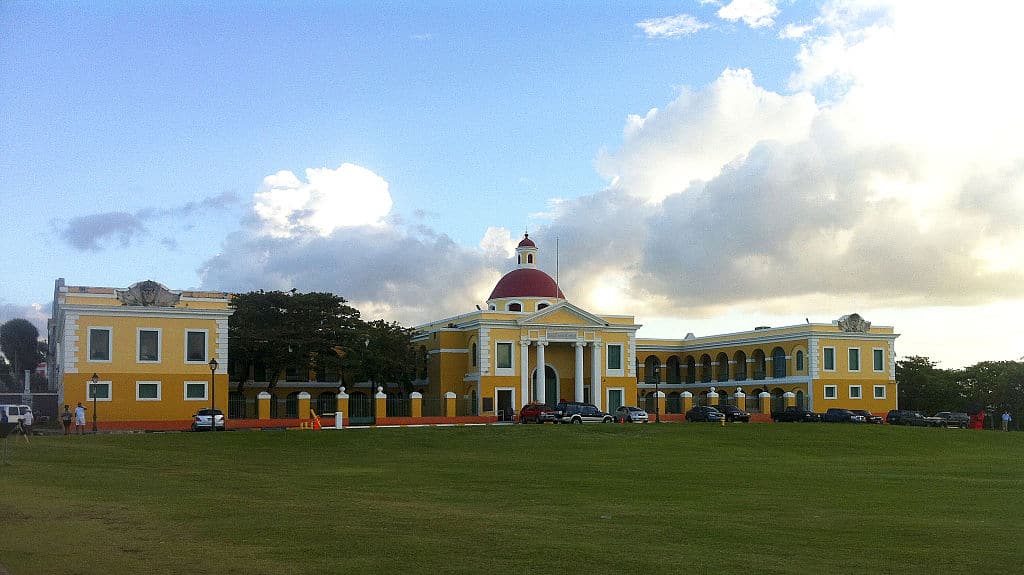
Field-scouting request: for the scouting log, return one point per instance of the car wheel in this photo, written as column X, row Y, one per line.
column 607, row 420
column 577, row 421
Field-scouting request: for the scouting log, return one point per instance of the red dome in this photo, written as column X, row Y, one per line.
column 527, row 242
column 526, row 282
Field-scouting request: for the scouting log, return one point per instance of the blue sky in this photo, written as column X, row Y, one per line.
column 704, row 164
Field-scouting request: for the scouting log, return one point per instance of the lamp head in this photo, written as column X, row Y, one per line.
column 213, row 364
column 95, row 378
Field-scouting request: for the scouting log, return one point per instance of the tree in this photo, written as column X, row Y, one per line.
column 278, row 330
column 390, row 356
column 923, row 386
column 19, row 341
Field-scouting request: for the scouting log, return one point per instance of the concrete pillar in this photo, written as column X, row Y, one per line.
column 579, row 372
column 263, row 405
column 449, row 404
column 416, row 398
column 541, row 383
column 741, row 398
column 712, row 397
column 381, row 400
column 342, row 409
column 304, row 415
column 790, row 399
column 524, row 370
column 596, row 373
column 766, row 402
column 659, row 396
column 686, row 398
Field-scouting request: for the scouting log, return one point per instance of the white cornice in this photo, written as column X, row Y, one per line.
column 142, row 311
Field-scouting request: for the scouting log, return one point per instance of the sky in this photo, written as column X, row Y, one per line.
column 705, row 166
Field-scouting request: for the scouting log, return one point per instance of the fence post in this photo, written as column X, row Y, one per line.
column 263, row 405
column 687, row 400
column 790, row 398
column 304, row 409
column 416, row 398
column 449, row 404
column 741, row 398
column 382, row 403
column 659, row 397
column 712, row 396
column 339, row 417
column 766, row 402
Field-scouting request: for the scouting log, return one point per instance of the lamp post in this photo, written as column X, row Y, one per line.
column 213, row 395
column 95, row 380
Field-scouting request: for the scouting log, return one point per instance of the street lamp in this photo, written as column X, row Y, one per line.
column 213, row 395
column 95, row 380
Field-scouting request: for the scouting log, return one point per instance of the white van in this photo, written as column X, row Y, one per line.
column 14, row 412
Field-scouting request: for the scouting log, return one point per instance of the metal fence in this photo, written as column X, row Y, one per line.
column 398, row 406
column 466, row 406
column 753, row 404
column 433, row 406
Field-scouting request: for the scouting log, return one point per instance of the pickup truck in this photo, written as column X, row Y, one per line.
column 953, row 419
column 912, row 418
column 794, row 413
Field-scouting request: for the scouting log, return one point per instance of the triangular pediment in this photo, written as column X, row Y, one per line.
column 563, row 313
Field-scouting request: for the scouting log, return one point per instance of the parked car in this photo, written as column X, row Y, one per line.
column 794, row 413
column 733, row 413
column 201, row 420
column 536, row 413
column 913, row 418
column 14, row 412
column 869, row 417
column 839, row 415
column 704, row 413
column 630, row 414
column 576, row 412
column 954, row 419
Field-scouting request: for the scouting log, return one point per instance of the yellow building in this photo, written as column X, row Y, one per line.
column 489, row 358
column 149, row 347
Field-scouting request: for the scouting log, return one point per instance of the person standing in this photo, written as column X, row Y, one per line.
column 80, row 419
column 26, row 421
column 1006, row 420
column 65, row 420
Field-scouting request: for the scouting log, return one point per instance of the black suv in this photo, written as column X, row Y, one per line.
column 576, row 412
column 733, row 413
column 913, row 418
column 704, row 413
column 953, row 419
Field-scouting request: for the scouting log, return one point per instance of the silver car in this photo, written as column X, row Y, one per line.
column 630, row 414
column 201, row 420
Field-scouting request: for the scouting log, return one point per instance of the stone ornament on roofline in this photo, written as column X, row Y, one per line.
column 853, row 322
column 148, row 294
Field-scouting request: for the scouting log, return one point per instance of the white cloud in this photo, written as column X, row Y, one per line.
column 672, row 26
column 329, row 199
column 754, row 13
column 794, row 31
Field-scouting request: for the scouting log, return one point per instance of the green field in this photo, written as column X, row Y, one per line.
column 669, row 498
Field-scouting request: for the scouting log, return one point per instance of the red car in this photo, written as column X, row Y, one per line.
column 536, row 413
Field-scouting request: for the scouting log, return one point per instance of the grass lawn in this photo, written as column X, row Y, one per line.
column 670, row 498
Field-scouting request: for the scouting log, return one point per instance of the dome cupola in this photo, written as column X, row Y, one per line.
column 526, row 281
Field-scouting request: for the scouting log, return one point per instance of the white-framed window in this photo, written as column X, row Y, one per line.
column 147, row 345
column 828, row 357
column 831, row 392
column 853, row 354
column 878, row 359
column 879, row 391
column 514, row 306
column 799, row 360
column 543, row 304
column 100, row 391
column 100, row 342
column 195, row 345
column 615, row 359
column 195, row 390
column 504, row 358
column 855, row 392
column 147, row 391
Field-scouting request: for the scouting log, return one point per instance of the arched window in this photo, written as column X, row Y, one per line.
column 673, row 370
column 541, row 306
column 473, row 353
column 529, row 258
column 691, row 370
column 799, row 360
column 800, row 399
column 705, row 368
column 741, row 365
column 778, row 363
column 652, row 369
column 291, row 405
column 759, row 364
column 723, row 367
column 515, row 307
column 326, row 403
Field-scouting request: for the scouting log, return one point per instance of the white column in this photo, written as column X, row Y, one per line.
column 595, row 375
column 524, row 370
column 541, row 390
column 579, row 371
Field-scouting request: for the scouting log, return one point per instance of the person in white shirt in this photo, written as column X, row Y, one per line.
column 80, row 419
column 26, row 421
